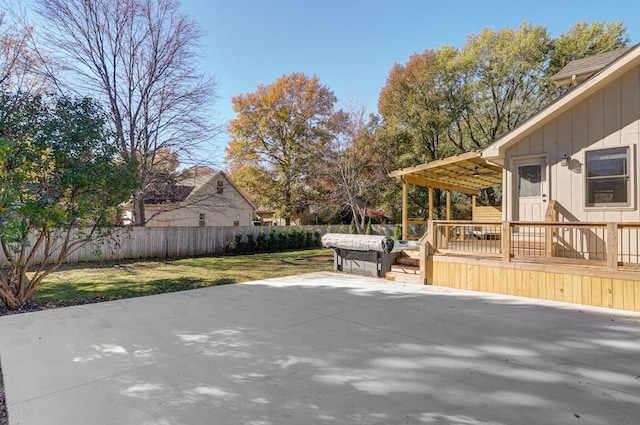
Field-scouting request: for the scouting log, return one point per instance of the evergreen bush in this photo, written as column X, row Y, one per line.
column 352, row 227
column 272, row 243
column 283, row 239
column 240, row 246
column 261, row 241
column 251, row 242
column 308, row 241
column 397, row 232
column 369, row 230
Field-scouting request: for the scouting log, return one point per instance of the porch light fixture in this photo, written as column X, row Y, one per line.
column 564, row 161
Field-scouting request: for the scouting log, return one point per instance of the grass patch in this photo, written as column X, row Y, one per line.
column 91, row 282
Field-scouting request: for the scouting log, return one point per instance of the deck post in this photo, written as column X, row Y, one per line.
column 425, row 251
column 431, row 238
column 550, row 217
column 430, row 203
column 448, row 204
column 612, row 246
column 405, row 209
column 506, row 241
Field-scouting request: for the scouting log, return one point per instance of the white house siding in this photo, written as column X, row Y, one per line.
column 610, row 117
column 226, row 209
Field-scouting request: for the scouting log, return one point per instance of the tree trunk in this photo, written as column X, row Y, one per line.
column 363, row 222
column 138, row 208
column 9, row 299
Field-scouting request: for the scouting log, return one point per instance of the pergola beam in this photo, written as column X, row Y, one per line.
column 421, row 181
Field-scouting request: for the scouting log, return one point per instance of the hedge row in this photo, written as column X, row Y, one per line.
column 272, row 241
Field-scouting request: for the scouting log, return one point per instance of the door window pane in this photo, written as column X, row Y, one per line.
column 530, row 180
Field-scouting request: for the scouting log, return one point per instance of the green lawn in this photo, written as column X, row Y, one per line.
column 100, row 281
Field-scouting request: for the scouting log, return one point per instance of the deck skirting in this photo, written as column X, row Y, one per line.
column 593, row 286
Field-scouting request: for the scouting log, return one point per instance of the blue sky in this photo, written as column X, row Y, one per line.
column 351, row 45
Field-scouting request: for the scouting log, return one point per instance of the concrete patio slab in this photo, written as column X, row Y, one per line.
column 322, row 348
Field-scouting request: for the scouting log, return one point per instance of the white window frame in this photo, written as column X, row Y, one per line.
column 631, row 185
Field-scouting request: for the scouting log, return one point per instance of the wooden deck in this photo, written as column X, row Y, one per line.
column 584, row 284
column 537, row 267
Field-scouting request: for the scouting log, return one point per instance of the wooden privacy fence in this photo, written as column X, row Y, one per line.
column 165, row 242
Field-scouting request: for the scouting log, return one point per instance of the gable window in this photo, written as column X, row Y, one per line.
column 220, row 186
column 202, row 220
column 607, row 179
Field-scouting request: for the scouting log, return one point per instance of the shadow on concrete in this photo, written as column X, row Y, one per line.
column 356, row 352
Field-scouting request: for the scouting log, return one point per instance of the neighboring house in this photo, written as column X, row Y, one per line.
column 268, row 217
column 569, row 226
column 209, row 199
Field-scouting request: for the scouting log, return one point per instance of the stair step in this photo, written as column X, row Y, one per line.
column 400, row 268
column 404, row 277
column 408, row 261
column 411, row 253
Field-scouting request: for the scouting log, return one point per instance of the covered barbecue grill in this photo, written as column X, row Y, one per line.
column 369, row 255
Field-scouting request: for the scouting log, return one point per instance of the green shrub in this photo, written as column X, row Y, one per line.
column 261, row 241
column 352, row 227
column 317, row 239
column 329, row 228
column 341, row 228
column 240, row 246
column 283, row 239
column 298, row 237
column 272, row 243
column 251, row 242
column 308, row 241
column 397, row 232
column 369, row 230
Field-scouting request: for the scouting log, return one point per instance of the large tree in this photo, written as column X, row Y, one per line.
column 585, row 39
column 60, row 185
column 418, row 106
column 139, row 57
column 354, row 172
column 22, row 67
column 448, row 101
column 280, row 132
column 504, row 72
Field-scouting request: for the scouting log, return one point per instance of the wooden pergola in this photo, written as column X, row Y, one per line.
column 464, row 173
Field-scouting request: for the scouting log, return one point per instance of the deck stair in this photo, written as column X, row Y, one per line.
column 407, row 267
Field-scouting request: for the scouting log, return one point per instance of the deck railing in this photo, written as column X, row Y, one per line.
column 605, row 244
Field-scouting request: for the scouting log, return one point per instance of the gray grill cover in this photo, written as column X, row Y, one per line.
column 358, row 242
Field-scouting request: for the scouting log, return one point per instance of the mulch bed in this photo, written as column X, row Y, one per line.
column 48, row 305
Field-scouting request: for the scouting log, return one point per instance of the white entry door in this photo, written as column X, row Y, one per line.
column 531, row 188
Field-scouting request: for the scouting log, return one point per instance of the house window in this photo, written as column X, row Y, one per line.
column 220, row 186
column 607, row 178
column 202, row 220
column 236, row 222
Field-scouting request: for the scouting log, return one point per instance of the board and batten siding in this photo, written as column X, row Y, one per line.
column 608, row 118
